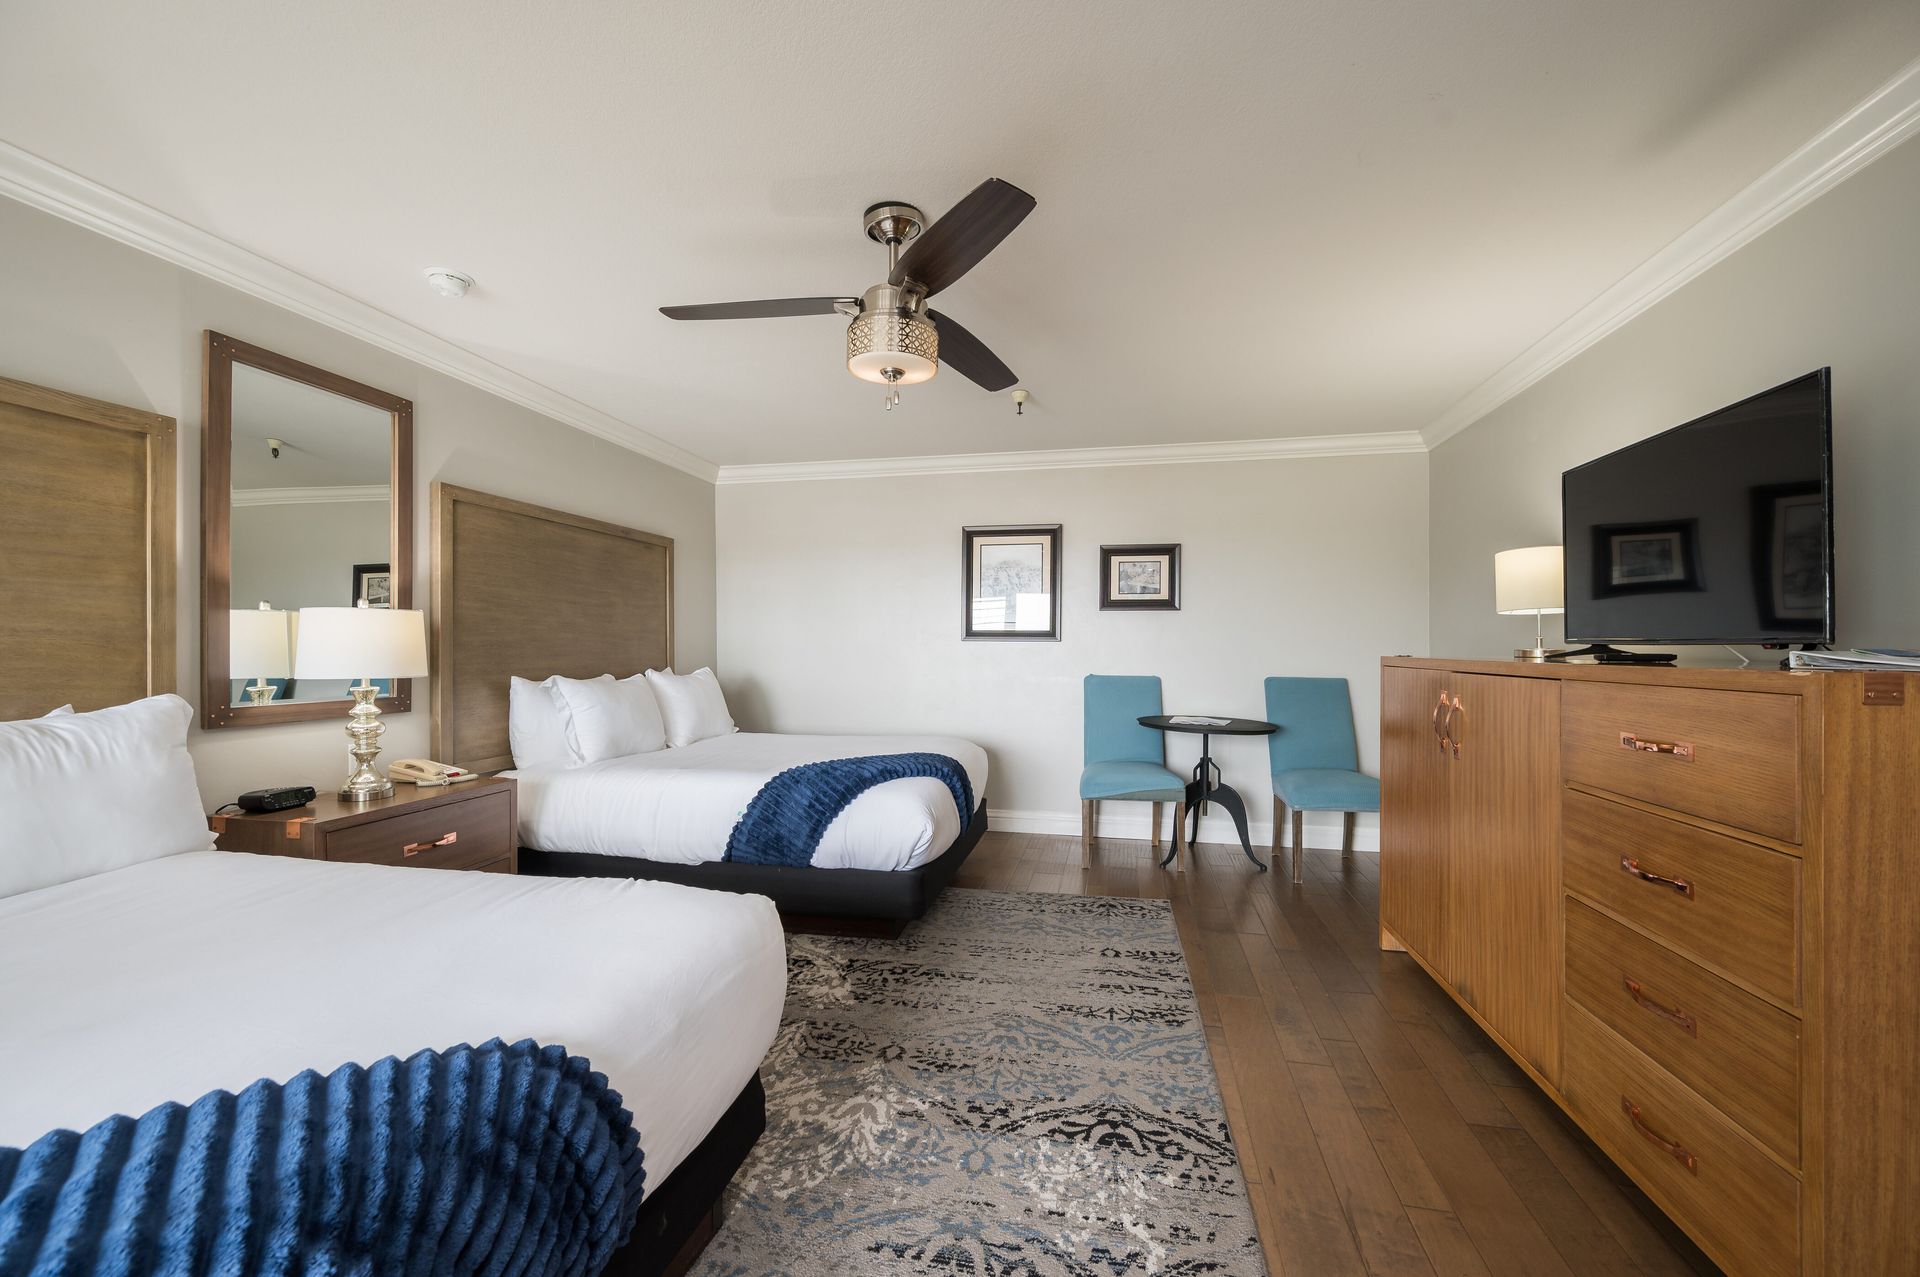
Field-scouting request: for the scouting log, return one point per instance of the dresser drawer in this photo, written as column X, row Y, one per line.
column 1739, row 1053
column 1740, row 909
column 1739, row 1204
column 1730, row 757
column 469, row 834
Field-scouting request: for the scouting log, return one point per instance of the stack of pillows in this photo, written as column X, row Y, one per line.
column 570, row 722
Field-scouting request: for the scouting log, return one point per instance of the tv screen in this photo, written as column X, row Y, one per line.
column 1718, row 531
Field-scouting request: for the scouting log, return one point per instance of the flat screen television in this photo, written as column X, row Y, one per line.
column 1717, row 531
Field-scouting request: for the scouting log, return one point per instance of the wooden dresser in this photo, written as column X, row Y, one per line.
column 466, row 826
column 1687, row 902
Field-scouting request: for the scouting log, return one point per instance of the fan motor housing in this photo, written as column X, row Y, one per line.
column 891, row 341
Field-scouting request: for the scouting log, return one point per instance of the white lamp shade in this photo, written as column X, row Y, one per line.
column 1529, row 582
column 360, row 642
column 257, row 644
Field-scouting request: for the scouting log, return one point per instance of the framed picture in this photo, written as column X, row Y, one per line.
column 1645, row 558
column 1010, row 581
column 1790, row 556
column 1143, row 578
column 373, row 584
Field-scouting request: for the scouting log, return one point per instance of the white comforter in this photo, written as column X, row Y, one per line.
column 212, row 969
column 678, row 805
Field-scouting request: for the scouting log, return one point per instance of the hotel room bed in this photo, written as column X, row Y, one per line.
column 208, row 970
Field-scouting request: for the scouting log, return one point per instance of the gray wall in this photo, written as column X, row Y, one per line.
column 82, row 313
column 1838, row 283
column 840, row 608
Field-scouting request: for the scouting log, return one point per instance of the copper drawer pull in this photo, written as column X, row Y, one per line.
column 1679, row 749
column 444, row 840
column 1453, row 741
column 1674, row 1149
column 1631, row 866
column 1438, row 733
column 1639, row 994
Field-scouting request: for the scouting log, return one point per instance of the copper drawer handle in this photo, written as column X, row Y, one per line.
column 1438, row 733
column 444, row 840
column 1453, row 741
column 1631, row 866
column 1680, row 749
column 1639, row 994
column 1673, row 1148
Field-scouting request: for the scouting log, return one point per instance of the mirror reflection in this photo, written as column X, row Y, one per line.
column 311, row 525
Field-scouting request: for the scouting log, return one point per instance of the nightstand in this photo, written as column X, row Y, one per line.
column 467, row 826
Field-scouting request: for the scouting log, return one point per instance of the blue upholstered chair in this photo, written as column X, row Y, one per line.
column 1126, row 762
column 1315, row 758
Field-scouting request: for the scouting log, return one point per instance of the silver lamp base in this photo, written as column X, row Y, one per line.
column 1532, row 653
column 364, row 730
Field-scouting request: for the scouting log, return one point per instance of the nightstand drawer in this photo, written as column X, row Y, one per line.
column 469, row 834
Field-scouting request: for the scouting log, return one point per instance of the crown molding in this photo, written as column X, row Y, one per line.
column 1888, row 117
column 1155, row 454
column 51, row 189
column 312, row 496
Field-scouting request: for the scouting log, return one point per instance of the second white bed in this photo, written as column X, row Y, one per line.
column 679, row 805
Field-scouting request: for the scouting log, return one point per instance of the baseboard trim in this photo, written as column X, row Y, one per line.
column 1118, row 821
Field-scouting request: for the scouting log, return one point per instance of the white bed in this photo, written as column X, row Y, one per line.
column 208, row 970
column 678, row 805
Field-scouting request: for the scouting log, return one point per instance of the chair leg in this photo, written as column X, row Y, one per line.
column 1299, row 842
column 1279, row 831
column 1347, row 821
column 1179, row 837
column 1156, row 826
column 1087, row 813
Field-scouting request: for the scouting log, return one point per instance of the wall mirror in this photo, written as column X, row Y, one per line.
column 306, row 501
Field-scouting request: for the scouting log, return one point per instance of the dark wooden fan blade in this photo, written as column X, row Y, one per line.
column 954, row 244
column 967, row 355
column 777, row 308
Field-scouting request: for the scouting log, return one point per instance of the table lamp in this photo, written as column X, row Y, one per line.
column 257, row 646
column 364, row 643
column 1530, row 582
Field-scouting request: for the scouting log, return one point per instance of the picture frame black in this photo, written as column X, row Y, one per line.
column 1790, row 557
column 1118, row 594
column 1646, row 558
column 1010, row 582
column 373, row 584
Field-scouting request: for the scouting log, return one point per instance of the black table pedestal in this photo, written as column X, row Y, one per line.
column 1204, row 788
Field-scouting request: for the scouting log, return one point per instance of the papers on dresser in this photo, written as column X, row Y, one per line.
column 1198, row 720
column 1859, row 658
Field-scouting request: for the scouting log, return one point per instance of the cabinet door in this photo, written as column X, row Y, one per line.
column 1414, row 771
column 1503, row 805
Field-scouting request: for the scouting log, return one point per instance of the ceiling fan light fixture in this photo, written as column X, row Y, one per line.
column 893, row 347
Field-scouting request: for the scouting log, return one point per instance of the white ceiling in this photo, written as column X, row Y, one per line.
column 327, row 440
column 1255, row 220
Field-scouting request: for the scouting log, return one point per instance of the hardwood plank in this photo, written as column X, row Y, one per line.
column 1391, row 1140
column 1449, row 1248
column 1379, row 1222
column 1582, row 1240
column 1467, row 1089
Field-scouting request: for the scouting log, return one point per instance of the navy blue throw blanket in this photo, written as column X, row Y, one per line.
column 507, row 1161
column 786, row 819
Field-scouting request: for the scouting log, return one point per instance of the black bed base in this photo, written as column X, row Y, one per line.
column 864, row 901
column 679, row 1217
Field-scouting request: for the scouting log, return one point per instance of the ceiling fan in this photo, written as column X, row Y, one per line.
column 894, row 339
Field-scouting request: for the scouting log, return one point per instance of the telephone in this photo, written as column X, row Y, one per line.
column 425, row 773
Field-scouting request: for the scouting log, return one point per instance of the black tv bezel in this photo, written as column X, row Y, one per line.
column 1824, row 376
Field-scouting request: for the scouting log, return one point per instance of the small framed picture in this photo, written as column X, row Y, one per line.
column 1645, row 558
column 373, row 584
column 1142, row 578
column 1010, row 581
column 1790, row 553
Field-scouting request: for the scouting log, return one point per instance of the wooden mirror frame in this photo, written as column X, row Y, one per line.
column 219, row 355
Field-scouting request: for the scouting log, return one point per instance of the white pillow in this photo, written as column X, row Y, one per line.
column 88, row 793
column 608, row 719
column 58, row 711
column 537, row 724
column 692, row 705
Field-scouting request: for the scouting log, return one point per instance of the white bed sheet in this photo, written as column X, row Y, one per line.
column 678, row 805
column 210, row 970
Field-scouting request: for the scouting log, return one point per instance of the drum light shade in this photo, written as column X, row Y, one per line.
column 361, row 642
column 1529, row 582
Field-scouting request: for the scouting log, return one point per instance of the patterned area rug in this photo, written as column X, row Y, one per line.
column 1018, row 1085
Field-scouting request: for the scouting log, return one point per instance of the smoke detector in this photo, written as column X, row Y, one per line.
column 448, row 283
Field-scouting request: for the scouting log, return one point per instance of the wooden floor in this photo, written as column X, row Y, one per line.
column 1380, row 1130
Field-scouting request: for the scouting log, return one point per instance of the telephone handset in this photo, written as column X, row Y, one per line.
column 426, row 773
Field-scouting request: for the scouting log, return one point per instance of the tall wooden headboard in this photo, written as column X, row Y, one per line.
column 523, row 590
column 87, row 570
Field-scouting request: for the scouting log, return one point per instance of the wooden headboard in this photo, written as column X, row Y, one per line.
column 519, row 589
column 87, row 566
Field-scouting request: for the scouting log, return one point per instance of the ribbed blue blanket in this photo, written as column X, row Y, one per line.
column 784, row 822
column 507, row 1161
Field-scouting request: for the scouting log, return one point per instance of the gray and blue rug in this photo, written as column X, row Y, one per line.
column 1017, row 1086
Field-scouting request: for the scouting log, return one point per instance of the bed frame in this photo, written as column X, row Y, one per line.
column 682, row 1213
column 520, row 589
